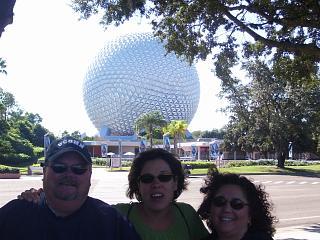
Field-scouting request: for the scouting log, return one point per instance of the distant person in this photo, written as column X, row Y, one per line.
column 65, row 211
column 234, row 208
column 156, row 180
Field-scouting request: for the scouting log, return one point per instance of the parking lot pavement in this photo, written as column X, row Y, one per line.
column 307, row 232
column 111, row 187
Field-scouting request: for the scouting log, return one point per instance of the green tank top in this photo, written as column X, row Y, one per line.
column 187, row 224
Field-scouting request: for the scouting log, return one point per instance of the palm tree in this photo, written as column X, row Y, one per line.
column 149, row 122
column 176, row 129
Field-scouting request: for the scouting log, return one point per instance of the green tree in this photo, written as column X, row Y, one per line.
column 29, row 126
column 214, row 133
column 33, row 118
column 176, row 129
column 195, row 28
column 148, row 122
column 20, row 133
column 24, row 128
column 280, row 105
column 16, row 150
column 38, row 132
column 65, row 133
column 76, row 134
column 7, row 104
column 197, row 134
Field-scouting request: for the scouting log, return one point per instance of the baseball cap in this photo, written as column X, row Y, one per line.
column 64, row 145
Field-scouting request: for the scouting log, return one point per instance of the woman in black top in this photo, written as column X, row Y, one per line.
column 234, row 208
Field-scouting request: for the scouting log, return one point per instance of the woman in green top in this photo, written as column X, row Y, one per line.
column 156, row 180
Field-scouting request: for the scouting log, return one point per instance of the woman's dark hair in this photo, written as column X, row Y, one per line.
column 151, row 155
column 260, row 208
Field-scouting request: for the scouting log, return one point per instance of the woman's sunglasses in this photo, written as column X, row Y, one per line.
column 77, row 169
column 235, row 203
column 148, row 178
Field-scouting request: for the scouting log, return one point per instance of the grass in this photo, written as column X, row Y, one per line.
column 292, row 170
column 311, row 170
column 118, row 169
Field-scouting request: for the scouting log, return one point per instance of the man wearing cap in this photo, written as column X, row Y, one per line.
column 65, row 210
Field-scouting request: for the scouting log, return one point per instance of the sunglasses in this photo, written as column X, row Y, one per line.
column 148, row 178
column 77, row 169
column 235, row 203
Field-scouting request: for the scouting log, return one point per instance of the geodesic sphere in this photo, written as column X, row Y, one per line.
column 131, row 76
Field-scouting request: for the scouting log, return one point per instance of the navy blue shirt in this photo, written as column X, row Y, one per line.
column 96, row 219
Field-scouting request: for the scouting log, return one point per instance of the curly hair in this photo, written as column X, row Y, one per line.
column 260, row 208
column 151, row 155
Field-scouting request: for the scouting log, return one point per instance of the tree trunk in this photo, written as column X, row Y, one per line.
column 175, row 144
column 281, row 157
column 151, row 136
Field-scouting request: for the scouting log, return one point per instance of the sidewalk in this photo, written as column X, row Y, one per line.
column 308, row 232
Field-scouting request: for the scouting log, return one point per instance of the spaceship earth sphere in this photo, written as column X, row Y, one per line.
column 132, row 75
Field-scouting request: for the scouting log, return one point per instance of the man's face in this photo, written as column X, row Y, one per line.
column 67, row 179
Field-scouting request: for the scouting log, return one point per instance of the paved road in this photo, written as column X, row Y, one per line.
column 296, row 199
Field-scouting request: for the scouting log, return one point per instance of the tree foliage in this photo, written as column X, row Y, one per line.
column 7, row 104
column 194, row 28
column 176, row 129
column 148, row 122
column 280, row 105
column 214, row 133
column 20, row 133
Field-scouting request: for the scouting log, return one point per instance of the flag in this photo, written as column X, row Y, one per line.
column 104, row 150
column 142, row 146
column 290, row 150
column 46, row 143
column 194, row 151
column 214, row 150
column 166, row 142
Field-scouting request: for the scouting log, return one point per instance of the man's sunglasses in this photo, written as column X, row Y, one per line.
column 78, row 169
column 148, row 178
column 235, row 203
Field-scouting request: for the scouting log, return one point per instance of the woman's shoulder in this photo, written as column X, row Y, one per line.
column 123, row 208
column 184, row 206
column 257, row 236
column 209, row 237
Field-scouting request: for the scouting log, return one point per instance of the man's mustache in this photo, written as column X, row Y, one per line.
column 68, row 181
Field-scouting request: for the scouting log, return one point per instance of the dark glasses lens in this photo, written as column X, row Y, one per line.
column 148, row 178
column 235, row 203
column 78, row 169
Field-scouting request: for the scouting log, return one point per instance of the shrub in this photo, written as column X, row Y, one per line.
column 9, row 170
column 126, row 163
column 199, row 164
column 17, row 160
column 38, row 151
column 106, row 162
column 100, row 161
column 266, row 162
column 262, row 162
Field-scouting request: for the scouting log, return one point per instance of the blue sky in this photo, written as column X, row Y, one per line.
column 48, row 52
